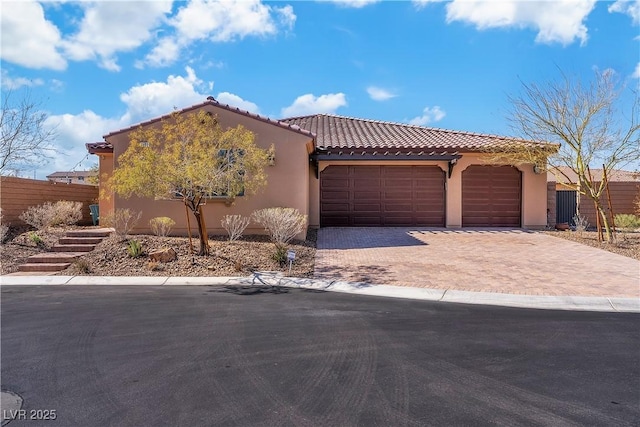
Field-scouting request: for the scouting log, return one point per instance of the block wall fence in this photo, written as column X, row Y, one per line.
column 18, row 194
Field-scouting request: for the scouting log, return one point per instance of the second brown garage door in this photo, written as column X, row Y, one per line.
column 491, row 196
column 369, row 196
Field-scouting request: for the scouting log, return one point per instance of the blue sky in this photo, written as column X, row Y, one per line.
column 100, row 66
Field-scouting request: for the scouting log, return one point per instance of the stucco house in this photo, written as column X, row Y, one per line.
column 343, row 171
column 73, row 177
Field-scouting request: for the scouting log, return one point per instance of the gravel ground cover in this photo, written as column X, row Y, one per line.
column 111, row 258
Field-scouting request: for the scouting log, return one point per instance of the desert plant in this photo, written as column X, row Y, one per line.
column 627, row 221
column 134, row 248
column 37, row 240
column 235, row 225
column 51, row 214
column 66, row 213
column 122, row 220
column 161, row 226
column 82, row 266
column 280, row 255
column 282, row 224
column 581, row 223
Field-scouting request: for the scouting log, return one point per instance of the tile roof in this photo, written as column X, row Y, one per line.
column 70, row 174
column 211, row 101
column 351, row 133
column 99, row 147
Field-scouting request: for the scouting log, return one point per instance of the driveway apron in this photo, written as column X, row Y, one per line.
column 510, row 261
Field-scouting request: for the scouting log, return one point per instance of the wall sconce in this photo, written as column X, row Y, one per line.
column 537, row 169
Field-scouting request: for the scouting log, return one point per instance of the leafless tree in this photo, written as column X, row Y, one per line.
column 587, row 121
column 26, row 139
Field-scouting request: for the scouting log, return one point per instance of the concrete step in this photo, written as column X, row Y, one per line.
column 91, row 232
column 58, row 266
column 54, row 257
column 73, row 248
column 80, row 240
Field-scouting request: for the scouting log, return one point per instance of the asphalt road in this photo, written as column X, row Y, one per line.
column 205, row 356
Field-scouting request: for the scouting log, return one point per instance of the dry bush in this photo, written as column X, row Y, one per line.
column 122, row 220
column 282, row 224
column 581, row 222
column 51, row 214
column 161, row 226
column 235, row 225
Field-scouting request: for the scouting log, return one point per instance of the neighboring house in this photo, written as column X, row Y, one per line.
column 344, row 171
column 76, row 177
column 563, row 199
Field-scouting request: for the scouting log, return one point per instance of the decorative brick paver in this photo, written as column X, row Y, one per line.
column 487, row 260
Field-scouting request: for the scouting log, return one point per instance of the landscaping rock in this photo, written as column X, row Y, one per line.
column 163, row 255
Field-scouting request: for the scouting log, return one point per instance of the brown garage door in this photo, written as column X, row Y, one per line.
column 491, row 196
column 370, row 196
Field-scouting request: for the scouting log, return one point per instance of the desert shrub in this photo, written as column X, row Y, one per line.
column 134, row 248
column 282, row 224
column 627, row 221
column 35, row 239
column 82, row 266
column 161, row 226
column 122, row 220
column 581, row 222
column 50, row 214
column 280, row 255
column 235, row 225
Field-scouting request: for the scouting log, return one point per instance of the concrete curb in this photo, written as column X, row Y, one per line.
column 581, row 303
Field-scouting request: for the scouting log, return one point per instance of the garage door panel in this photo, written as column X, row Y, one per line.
column 382, row 195
column 491, row 196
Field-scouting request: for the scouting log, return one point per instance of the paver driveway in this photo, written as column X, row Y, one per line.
column 488, row 260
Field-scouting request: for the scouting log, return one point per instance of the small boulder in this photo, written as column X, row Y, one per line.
column 163, row 255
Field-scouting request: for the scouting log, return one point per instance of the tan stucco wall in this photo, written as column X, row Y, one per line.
column 106, row 200
column 287, row 181
column 534, row 190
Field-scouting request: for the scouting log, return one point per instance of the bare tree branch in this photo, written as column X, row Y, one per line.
column 25, row 137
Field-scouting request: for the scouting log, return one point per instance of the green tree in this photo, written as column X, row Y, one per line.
column 189, row 156
column 587, row 123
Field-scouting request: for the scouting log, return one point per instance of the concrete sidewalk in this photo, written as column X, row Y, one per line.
column 569, row 302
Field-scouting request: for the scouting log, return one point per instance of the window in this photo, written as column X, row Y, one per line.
column 228, row 158
column 81, row 178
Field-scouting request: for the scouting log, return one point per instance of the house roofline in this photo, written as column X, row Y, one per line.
column 212, row 101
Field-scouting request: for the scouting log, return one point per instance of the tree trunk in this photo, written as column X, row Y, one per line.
column 604, row 220
column 204, row 238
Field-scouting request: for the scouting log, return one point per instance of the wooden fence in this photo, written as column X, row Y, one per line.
column 18, row 194
column 623, row 196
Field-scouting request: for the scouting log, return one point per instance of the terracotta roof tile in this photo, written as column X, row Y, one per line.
column 211, row 101
column 347, row 132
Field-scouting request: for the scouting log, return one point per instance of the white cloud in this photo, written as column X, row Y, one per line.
column 11, row 83
column 143, row 102
column 380, row 94
column 631, row 8
column 429, row 115
column 236, row 101
column 73, row 132
column 158, row 98
column 560, row 21
column 28, row 39
column 636, row 72
column 352, row 3
column 218, row 21
column 111, row 27
column 166, row 52
column 309, row 104
column 423, row 3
